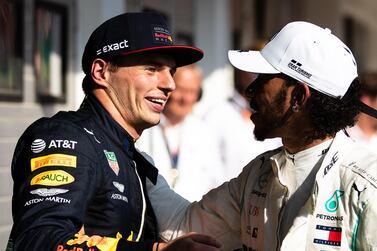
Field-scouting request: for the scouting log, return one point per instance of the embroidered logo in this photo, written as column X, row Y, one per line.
column 113, row 47
column 162, row 35
column 255, row 232
column 52, row 178
column 90, row 132
column 332, row 204
column 334, row 159
column 296, row 66
column 38, row 145
column 48, row 191
column 327, row 235
column 53, row 160
column 112, row 160
column 119, row 186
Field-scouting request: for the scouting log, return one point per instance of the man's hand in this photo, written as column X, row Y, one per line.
column 190, row 241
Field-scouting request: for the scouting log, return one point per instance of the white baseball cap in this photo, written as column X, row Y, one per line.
column 305, row 52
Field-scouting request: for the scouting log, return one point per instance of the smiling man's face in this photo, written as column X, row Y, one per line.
column 140, row 87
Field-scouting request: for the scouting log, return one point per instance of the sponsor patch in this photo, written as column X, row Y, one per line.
column 327, row 217
column 33, row 201
column 119, row 186
column 364, row 173
column 297, row 67
column 113, row 47
column 333, row 160
column 55, row 199
column 332, row 204
column 161, row 35
column 253, row 210
column 90, row 132
column 38, row 145
column 53, row 160
column 48, row 191
column 326, row 235
column 116, row 196
column 255, row 232
column 62, row 143
column 112, row 160
column 52, row 178
column 94, row 242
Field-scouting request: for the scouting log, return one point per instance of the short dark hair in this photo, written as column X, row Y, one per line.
column 330, row 115
column 88, row 84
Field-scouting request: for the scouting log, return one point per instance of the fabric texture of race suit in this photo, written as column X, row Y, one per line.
column 79, row 185
column 335, row 212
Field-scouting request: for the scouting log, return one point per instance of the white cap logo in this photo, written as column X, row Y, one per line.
column 38, row 145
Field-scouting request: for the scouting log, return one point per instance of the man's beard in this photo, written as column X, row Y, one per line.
column 273, row 118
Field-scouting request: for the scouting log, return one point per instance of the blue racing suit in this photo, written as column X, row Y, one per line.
column 79, row 185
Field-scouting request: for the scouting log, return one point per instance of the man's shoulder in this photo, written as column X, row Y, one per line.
column 263, row 160
column 60, row 122
column 362, row 163
column 62, row 126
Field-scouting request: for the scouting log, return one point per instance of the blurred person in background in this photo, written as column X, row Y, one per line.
column 182, row 146
column 230, row 121
column 365, row 130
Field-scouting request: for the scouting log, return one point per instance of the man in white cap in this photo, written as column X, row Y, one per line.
column 318, row 191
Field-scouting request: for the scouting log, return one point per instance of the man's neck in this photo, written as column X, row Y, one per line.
column 109, row 106
column 295, row 145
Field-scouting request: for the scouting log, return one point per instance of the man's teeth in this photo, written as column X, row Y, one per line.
column 157, row 100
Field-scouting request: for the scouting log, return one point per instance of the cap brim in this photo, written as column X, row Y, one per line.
column 250, row 61
column 183, row 55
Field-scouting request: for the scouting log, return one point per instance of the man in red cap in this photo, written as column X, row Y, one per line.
column 79, row 183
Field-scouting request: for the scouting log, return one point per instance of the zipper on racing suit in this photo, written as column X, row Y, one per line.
column 144, row 205
column 281, row 211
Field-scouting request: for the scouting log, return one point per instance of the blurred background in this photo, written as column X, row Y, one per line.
column 41, row 43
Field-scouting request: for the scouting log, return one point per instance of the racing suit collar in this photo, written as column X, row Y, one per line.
column 119, row 135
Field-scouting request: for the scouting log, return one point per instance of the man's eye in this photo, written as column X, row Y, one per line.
column 151, row 68
column 173, row 71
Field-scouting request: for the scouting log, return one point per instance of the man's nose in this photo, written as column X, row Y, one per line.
column 166, row 81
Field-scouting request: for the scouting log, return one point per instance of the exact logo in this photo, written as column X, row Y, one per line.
column 332, row 204
column 52, row 178
column 113, row 47
column 53, row 160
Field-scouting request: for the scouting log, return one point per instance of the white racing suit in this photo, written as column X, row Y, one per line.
column 335, row 210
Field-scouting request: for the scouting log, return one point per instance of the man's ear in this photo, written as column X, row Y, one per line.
column 99, row 72
column 300, row 95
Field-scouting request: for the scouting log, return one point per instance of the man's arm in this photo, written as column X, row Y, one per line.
column 217, row 214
